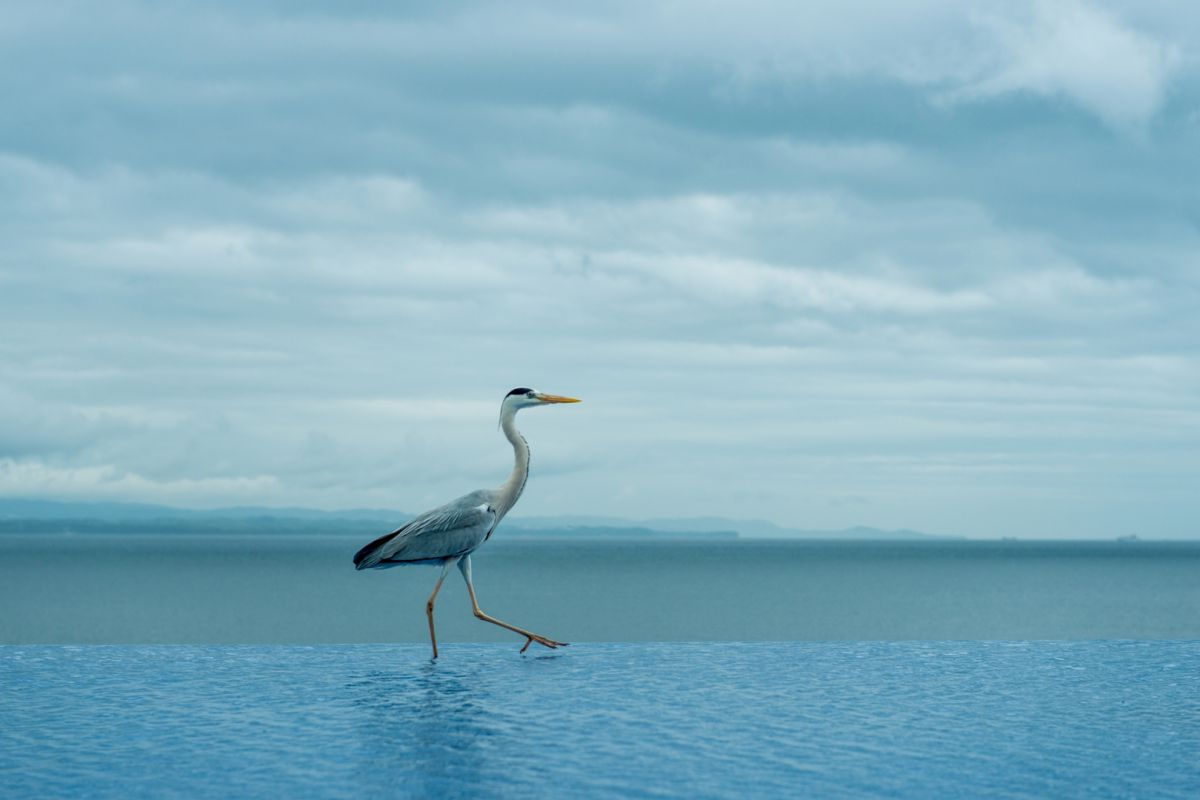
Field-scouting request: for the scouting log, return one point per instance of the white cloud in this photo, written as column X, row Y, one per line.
column 32, row 477
column 723, row 281
column 1070, row 49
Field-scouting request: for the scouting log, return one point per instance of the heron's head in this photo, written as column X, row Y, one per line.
column 527, row 398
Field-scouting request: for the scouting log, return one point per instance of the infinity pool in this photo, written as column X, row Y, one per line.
column 896, row 719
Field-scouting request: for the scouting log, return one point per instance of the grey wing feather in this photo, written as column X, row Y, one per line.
column 451, row 530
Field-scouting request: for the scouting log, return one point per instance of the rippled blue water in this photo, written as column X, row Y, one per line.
column 994, row 719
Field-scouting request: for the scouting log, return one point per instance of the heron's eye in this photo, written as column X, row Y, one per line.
column 529, row 394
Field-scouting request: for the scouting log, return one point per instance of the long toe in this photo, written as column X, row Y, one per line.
column 542, row 640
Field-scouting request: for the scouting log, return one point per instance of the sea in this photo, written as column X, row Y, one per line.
column 265, row 666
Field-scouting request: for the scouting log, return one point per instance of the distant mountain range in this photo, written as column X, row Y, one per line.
column 745, row 528
column 31, row 516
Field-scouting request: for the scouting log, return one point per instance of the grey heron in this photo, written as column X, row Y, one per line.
column 447, row 535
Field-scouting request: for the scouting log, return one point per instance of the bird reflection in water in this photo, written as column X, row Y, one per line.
column 434, row 729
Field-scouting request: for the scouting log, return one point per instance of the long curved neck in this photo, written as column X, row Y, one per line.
column 508, row 494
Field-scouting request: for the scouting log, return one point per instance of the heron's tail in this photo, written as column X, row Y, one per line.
column 369, row 555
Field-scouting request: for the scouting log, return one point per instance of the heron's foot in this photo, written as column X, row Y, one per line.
column 543, row 641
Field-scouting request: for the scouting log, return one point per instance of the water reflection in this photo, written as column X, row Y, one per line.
column 429, row 730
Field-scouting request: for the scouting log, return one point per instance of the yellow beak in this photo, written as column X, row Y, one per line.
column 554, row 398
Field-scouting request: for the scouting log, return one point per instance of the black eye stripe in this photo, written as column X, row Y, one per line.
column 520, row 390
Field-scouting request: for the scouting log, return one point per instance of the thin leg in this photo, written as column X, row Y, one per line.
column 464, row 566
column 429, row 604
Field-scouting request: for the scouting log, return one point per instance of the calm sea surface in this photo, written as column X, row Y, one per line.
column 801, row 719
column 257, row 590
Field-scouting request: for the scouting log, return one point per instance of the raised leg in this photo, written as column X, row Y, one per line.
column 429, row 604
column 464, row 566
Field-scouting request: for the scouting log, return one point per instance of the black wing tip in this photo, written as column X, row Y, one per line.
column 367, row 556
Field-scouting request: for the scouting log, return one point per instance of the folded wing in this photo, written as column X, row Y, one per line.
column 450, row 531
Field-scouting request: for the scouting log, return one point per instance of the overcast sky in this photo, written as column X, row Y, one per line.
column 926, row 264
